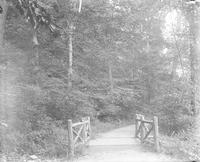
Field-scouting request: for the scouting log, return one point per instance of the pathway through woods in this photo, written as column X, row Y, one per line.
column 120, row 146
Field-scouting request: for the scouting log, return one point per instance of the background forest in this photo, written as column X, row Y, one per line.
column 104, row 58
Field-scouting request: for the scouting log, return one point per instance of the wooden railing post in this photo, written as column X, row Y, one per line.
column 136, row 125
column 142, row 128
column 156, row 133
column 89, row 127
column 70, row 139
column 84, row 130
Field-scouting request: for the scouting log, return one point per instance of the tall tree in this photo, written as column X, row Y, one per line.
column 4, row 7
column 192, row 13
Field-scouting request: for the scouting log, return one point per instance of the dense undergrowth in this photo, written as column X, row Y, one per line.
column 43, row 132
column 184, row 146
column 122, row 64
column 39, row 124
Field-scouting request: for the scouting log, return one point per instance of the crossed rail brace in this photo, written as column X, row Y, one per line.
column 142, row 131
column 78, row 134
column 147, row 130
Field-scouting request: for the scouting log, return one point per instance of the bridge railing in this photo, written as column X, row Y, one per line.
column 78, row 134
column 146, row 130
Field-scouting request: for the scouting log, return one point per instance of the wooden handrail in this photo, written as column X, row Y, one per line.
column 78, row 133
column 156, row 133
column 79, row 123
column 142, row 132
column 70, row 139
column 145, row 121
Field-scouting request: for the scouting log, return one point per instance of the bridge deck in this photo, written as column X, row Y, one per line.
column 120, row 146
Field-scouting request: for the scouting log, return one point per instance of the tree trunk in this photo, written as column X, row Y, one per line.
column 110, row 76
column 35, row 60
column 148, row 80
column 133, row 74
column 149, row 90
column 133, row 69
column 193, row 58
column 192, row 77
column 4, row 6
column 197, row 65
column 174, row 67
column 80, row 6
column 36, row 47
column 3, row 80
column 70, row 70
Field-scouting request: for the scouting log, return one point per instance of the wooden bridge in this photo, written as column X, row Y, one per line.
column 120, row 145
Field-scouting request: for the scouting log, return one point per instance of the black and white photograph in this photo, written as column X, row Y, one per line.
column 99, row 80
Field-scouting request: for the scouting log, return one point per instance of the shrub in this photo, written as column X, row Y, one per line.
column 173, row 115
column 49, row 139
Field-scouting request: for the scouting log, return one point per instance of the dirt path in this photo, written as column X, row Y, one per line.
column 120, row 146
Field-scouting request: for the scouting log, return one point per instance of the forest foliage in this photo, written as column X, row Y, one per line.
column 123, row 59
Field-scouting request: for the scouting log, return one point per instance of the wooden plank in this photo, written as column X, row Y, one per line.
column 136, row 127
column 149, row 140
column 84, row 130
column 79, row 123
column 78, row 134
column 145, row 121
column 82, row 135
column 87, row 131
column 138, row 131
column 81, row 139
column 142, row 128
column 89, row 127
column 70, row 139
column 156, row 133
column 146, row 128
column 147, row 134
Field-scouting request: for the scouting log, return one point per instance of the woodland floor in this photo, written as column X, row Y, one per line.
column 120, row 145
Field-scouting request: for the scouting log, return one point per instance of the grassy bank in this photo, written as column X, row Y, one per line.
column 181, row 146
